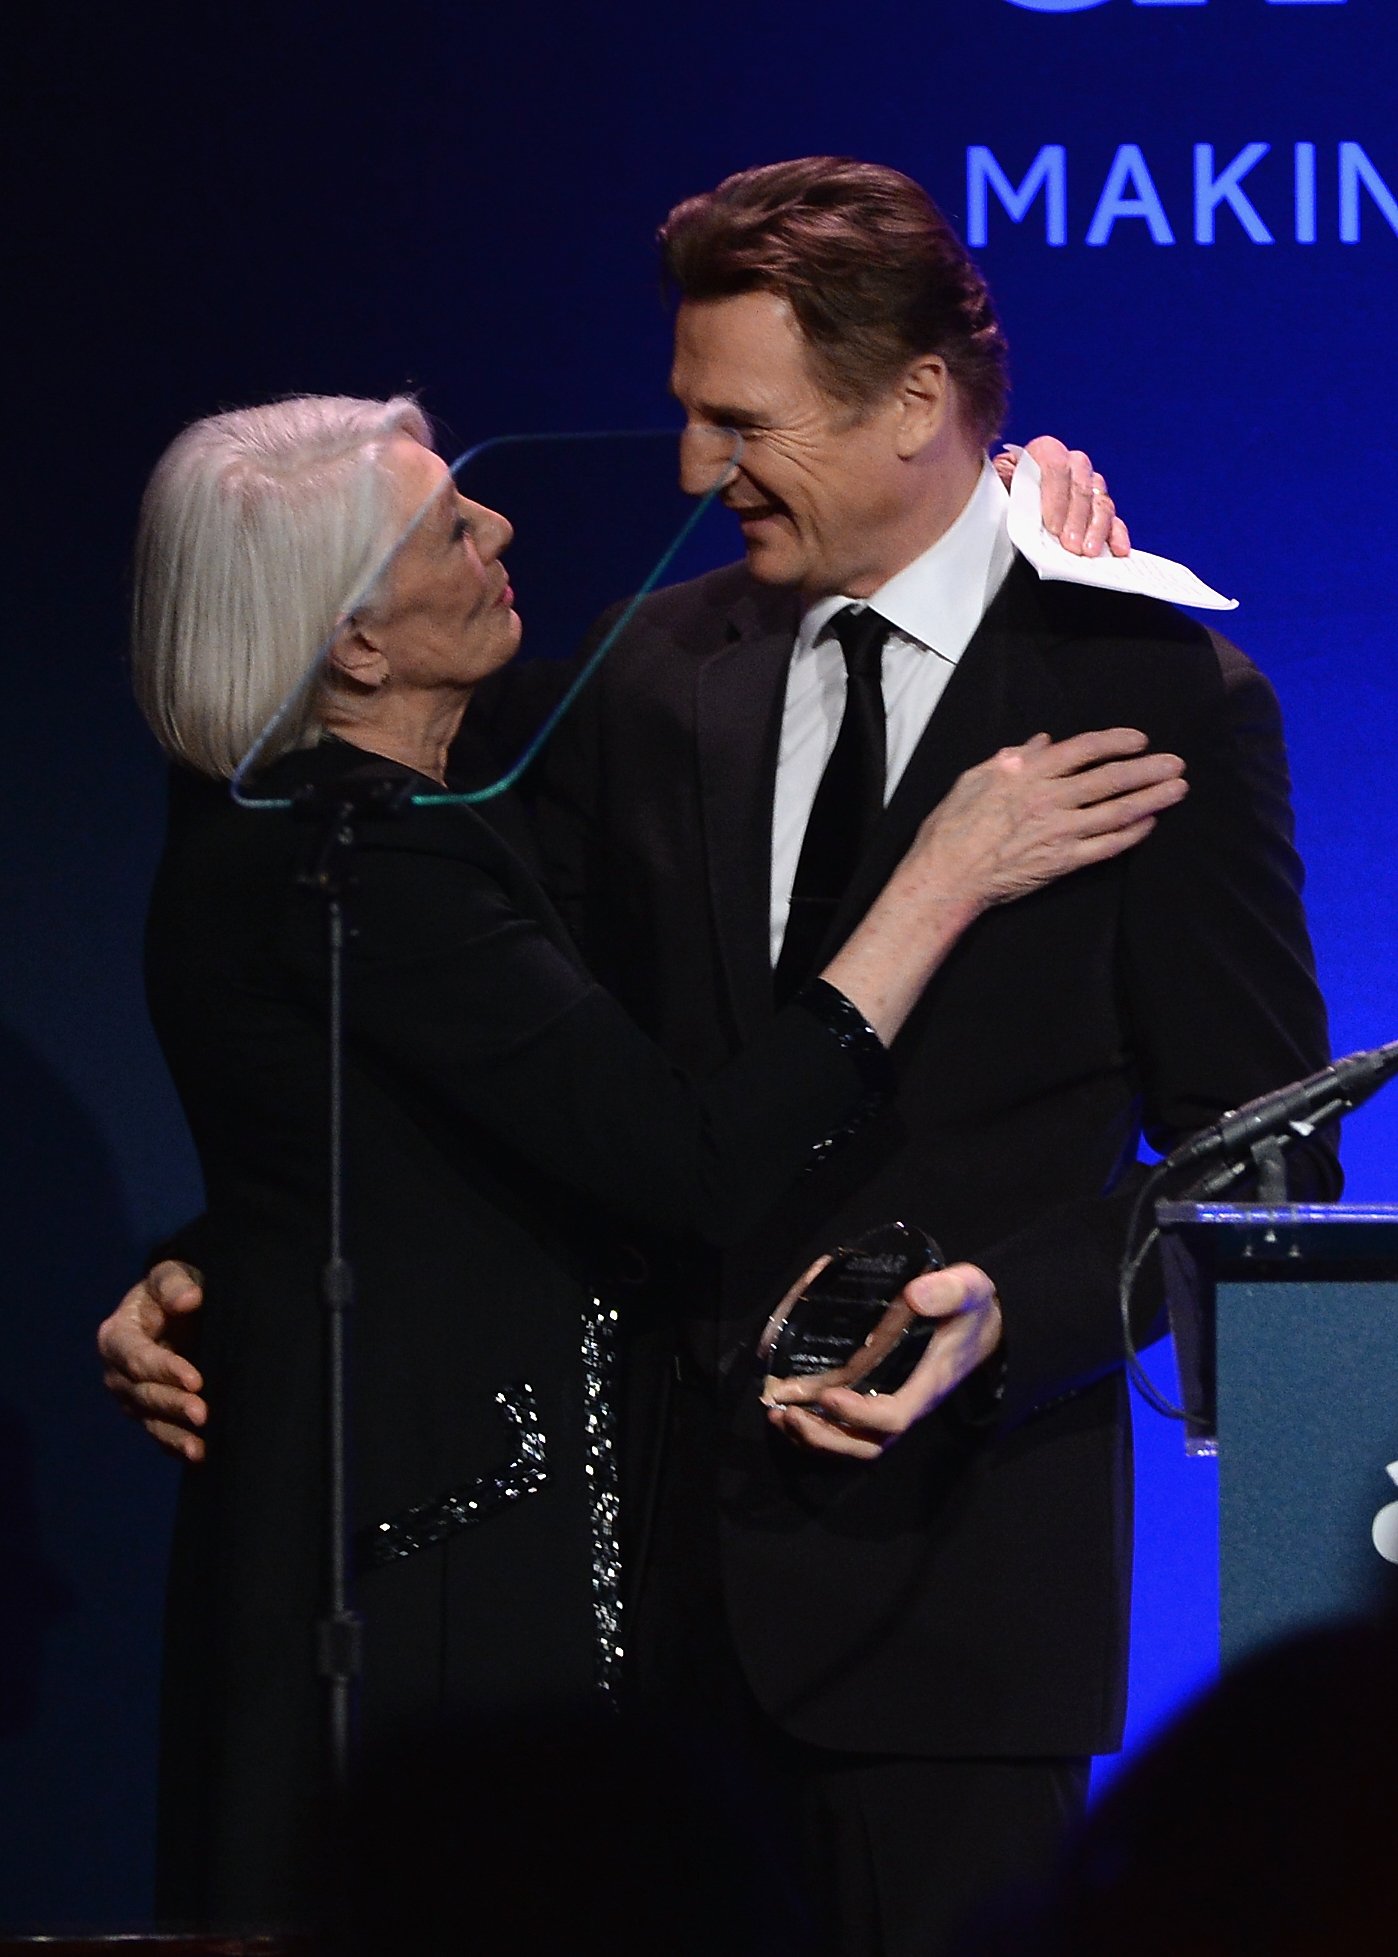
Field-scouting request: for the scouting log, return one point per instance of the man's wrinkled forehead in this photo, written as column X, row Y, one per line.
column 738, row 362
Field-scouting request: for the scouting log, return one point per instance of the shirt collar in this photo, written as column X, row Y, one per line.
column 939, row 599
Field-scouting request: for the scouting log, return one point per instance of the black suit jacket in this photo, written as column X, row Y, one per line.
column 967, row 1594
column 500, row 1113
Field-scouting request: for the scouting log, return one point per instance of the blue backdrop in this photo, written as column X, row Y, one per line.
column 1188, row 211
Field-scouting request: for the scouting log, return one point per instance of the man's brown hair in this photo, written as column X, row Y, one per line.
column 872, row 270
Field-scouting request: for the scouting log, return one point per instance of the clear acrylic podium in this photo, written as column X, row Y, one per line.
column 1285, row 1324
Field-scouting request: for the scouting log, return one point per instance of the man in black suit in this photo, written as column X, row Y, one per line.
column 927, row 1641
column 923, row 1643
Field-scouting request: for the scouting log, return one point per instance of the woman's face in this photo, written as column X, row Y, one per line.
column 444, row 617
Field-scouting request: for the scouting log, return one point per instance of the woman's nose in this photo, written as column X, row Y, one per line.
column 494, row 533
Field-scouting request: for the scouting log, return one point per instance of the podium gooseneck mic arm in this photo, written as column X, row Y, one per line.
column 1291, row 1112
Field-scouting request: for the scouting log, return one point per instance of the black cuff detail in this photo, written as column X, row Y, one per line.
column 853, row 1034
column 843, row 1020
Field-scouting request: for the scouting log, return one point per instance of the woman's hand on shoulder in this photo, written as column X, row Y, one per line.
column 1033, row 813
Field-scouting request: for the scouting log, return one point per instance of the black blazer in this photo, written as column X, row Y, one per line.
column 967, row 1594
column 501, row 1113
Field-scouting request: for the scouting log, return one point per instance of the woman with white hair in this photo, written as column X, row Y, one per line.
column 502, row 1116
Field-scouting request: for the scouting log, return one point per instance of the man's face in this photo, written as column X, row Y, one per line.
column 821, row 490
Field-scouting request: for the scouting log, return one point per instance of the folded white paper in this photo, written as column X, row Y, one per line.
column 1141, row 572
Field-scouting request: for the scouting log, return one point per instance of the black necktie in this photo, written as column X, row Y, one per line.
column 848, row 802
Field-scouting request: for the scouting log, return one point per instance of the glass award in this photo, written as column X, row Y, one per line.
column 848, row 1326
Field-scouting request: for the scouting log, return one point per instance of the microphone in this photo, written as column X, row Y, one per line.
column 1298, row 1110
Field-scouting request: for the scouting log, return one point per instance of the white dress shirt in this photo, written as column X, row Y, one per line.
column 934, row 606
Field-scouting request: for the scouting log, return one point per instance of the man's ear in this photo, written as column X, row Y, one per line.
column 355, row 655
column 926, row 398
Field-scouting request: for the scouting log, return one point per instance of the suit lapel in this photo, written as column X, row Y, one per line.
column 1001, row 692
column 739, row 694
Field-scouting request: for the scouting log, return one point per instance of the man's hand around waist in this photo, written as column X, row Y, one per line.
column 150, row 1380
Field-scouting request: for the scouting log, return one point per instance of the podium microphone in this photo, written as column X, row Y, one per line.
column 1297, row 1110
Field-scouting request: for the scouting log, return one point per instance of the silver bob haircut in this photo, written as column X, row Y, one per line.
column 258, row 528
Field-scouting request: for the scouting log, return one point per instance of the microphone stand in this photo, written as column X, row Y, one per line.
column 1269, row 1159
column 338, row 808
column 1265, row 1158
